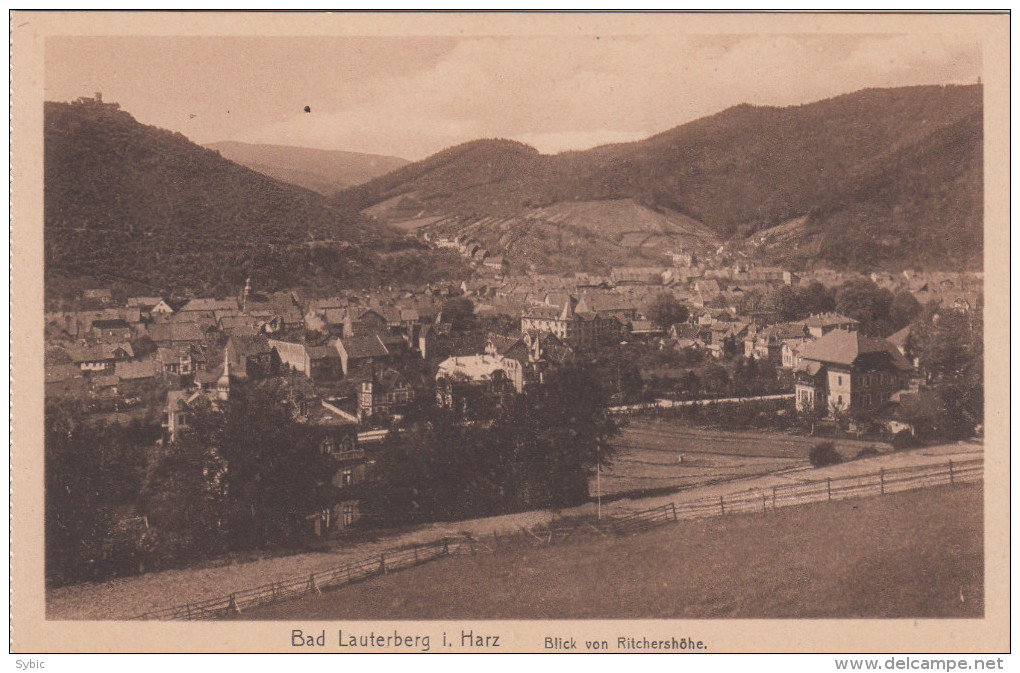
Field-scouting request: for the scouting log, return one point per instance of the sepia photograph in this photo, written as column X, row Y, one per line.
column 405, row 332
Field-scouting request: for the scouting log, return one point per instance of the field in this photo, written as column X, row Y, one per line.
column 916, row 554
column 648, row 458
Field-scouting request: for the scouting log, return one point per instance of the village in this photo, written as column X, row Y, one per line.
column 351, row 364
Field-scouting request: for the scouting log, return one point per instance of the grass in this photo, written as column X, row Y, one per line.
column 647, row 456
column 917, row 554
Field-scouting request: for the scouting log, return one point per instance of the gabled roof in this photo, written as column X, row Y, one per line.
column 243, row 345
column 899, row 339
column 389, row 380
column 843, row 348
column 321, row 353
column 100, row 352
column 205, row 304
column 364, row 347
column 184, row 331
column 145, row 369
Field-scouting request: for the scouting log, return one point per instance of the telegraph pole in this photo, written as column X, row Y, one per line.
column 598, row 477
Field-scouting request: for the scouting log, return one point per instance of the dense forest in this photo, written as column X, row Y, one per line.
column 132, row 205
column 871, row 170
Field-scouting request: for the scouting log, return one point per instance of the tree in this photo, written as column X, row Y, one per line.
column 665, row 311
column 183, row 496
column 275, row 473
column 867, row 303
column 824, row 453
column 244, row 476
column 538, row 451
column 92, row 471
column 904, row 309
column 949, row 348
column 460, row 313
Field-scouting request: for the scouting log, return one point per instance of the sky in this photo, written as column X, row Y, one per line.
column 413, row 96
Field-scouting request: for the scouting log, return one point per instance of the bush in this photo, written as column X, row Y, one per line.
column 903, row 440
column 867, row 452
column 824, row 453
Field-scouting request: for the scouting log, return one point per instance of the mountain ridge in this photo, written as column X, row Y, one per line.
column 739, row 171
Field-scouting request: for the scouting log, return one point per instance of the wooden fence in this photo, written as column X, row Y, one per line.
column 760, row 500
column 837, row 488
column 300, row 585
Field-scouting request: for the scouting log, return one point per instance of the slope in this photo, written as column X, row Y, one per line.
column 322, row 171
column 147, row 209
column 737, row 172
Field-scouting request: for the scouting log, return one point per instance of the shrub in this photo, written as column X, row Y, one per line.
column 867, row 452
column 824, row 453
column 903, row 440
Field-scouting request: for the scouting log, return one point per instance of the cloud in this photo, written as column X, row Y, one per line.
column 570, row 93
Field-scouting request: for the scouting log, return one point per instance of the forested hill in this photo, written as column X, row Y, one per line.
column 856, row 158
column 132, row 204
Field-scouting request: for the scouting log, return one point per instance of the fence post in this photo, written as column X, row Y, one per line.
column 382, row 563
column 415, row 554
column 233, row 604
column 311, row 584
column 828, row 486
column 673, row 506
column 446, row 547
column 188, row 606
column 881, row 477
column 722, row 506
column 773, row 498
column 950, row 471
column 764, row 503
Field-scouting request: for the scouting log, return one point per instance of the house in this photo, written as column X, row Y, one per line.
column 637, row 275
column 821, row 324
column 209, row 305
column 899, row 339
column 767, row 344
column 536, row 352
column 845, row 371
column 178, row 411
column 493, row 373
column 496, row 263
column 99, row 358
column 574, row 324
column 361, row 354
column 706, row 289
column 177, row 360
column 64, row 380
column 137, row 371
column 111, row 330
column 385, row 394
column 178, row 333
column 150, row 306
column 369, row 322
column 250, row 357
column 315, row 362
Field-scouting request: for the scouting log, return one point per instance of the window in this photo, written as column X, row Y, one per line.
column 839, row 380
column 348, row 515
column 347, row 477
